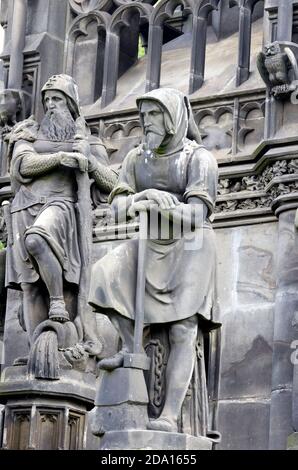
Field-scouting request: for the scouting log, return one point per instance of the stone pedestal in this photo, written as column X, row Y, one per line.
column 121, row 417
column 44, row 414
column 152, row 440
column 121, row 401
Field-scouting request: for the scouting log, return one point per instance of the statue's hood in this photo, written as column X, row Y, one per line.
column 177, row 107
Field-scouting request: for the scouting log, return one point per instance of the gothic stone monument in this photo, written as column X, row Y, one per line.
column 237, row 63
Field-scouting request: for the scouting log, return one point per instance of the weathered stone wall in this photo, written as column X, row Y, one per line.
column 246, row 268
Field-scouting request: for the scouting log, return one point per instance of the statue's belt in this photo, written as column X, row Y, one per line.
column 25, row 199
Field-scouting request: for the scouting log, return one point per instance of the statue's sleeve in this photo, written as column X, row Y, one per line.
column 21, row 149
column 202, row 177
column 126, row 183
column 27, row 164
column 104, row 177
column 99, row 151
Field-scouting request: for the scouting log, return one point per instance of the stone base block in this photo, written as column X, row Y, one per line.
column 119, row 417
column 73, row 384
column 152, row 440
column 45, row 414
column 121, row 401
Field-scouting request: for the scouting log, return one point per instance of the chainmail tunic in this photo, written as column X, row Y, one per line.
column 44, row 204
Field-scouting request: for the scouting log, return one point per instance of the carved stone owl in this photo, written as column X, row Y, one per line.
column 276, row 63
column 277, row 67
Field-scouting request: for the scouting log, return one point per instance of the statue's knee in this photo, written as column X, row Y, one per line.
column 185, row 333
column 33, row 244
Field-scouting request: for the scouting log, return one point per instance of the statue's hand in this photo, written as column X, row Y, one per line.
column 92, row 163
column 74, row 160
column 83, row 147
column 138, row 207
column 163, row 199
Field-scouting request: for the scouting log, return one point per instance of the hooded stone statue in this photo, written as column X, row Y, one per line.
column 180, row 282
column 175, row 180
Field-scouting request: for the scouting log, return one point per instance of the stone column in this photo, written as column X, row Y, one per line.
column 198, row 54
column 111, row 67
column 14, row 102
column 154, row 56
column 17, row 44
column 286, row 304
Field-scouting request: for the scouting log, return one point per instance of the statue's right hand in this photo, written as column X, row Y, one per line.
column 165, row 200
column 74, row 160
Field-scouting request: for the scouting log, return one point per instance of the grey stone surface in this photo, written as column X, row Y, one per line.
column 149, row 440
column 92, row 441
column 280, row 418
column 132, row 389
column 18, row 347
column 74, row 384
column 282, row 366
column 244, row 424
column 246, row 266
column 246, row 271
column 250, row 375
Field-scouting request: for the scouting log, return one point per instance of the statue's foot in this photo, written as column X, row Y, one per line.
column 113, row 362
column 57, row 310
column 162, row 424
column 21, row 361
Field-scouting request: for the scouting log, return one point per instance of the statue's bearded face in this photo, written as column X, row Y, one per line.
column 58, row 123
column 152, row 117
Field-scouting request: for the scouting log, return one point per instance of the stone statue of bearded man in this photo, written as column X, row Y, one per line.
column 45, row 256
